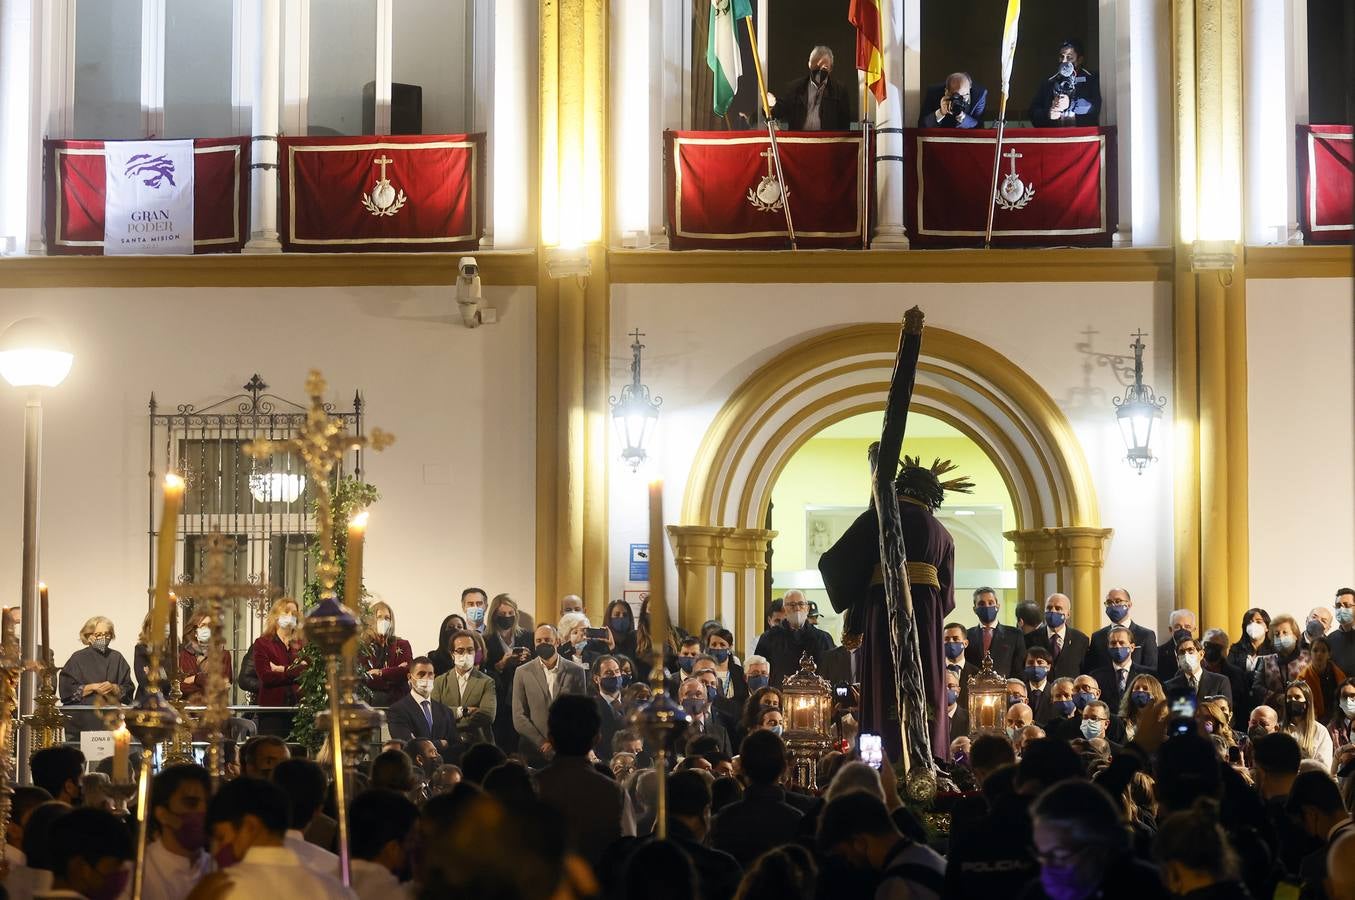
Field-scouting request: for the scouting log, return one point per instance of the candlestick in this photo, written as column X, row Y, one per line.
column 658, row 602
column 46, row 649
column 164, row 561
column 172, row 664
column 122, row 748
column 352, row 581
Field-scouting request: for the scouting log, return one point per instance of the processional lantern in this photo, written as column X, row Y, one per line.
column 807, row 706
column 634, row 411
column 1137, row 412
column 987, row 700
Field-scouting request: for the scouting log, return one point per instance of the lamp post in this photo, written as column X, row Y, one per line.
column 634, row 412
column 34, row 355
column 1137, row 412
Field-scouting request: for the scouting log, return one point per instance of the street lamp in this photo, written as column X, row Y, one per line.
column 34, row 355
column 634, row 411
column 1137, row 412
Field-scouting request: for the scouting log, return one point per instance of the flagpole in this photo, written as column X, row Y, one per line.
column 771, row 133
column 997, row 162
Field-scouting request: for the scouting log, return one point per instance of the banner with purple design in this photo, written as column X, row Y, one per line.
column 148, row 197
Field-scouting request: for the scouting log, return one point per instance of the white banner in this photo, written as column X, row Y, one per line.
column 148, row 197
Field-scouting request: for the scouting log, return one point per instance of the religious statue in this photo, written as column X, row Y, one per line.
column 891, row 575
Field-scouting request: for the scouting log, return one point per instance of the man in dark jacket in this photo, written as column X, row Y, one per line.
column 1071, row 97
column 717, row 873
column 783, row 645
column 959, row 103
column 815, row 102
column 1005, row 643
column 761, row 819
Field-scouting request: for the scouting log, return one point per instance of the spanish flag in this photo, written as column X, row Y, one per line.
column 865, row 15
column 1009, row 46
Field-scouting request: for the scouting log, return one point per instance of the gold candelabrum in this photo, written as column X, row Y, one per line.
column 12, row 666
column 48, row 723
column 332, row 626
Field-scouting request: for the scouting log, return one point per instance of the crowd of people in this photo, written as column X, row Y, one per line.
column 513, row 769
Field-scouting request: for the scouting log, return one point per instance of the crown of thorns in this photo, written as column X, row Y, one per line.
column 923, row 483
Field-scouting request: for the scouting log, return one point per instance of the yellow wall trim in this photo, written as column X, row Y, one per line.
column 497, row 267
column 1334, row 261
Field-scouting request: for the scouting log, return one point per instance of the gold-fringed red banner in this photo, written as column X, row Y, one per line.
column 722, row 192
column 74, row 195
column 1325, row 166
column 381, row 193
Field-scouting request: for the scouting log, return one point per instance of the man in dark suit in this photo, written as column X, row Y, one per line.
column 815, row 102
column 417, row 715
column 1181, row 625
column 942, row 109
column 1116, row 678
column 705, row 720
column 717, row 872
column 954, row 639
column 761, row 819
column 1118, row 605
column 783, row 645
column 593, row 808
column 1071, row 97
column 611, row 711
column 1036, row 678
column 1004, row 642
column 1066, row 645
column 1192, row 673
column 956, row 709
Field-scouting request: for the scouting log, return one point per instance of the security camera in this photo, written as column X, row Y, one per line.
column 468, row 291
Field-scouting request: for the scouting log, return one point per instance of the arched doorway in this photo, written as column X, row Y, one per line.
column 720, row 548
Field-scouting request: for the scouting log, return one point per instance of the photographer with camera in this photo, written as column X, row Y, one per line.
column 1071, row 97
column 959, row 103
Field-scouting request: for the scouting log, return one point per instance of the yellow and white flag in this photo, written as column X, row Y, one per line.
column 1009, row 46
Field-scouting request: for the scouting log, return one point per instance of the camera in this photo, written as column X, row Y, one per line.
column 468, row 294
column 959, row 105
column 1067, row 80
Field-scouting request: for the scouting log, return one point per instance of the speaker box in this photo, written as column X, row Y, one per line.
column 406, row 108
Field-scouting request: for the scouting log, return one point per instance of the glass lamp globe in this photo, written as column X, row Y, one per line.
column 34, row 353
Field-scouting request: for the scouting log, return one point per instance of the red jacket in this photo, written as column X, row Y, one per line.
column 276, row 688
column 188, row 665
column 392, row 656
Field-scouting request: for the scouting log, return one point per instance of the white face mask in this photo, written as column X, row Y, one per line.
column 287, row 622
column 383, row 626
column 463, row 661
column 797, row 618
column 1190, row 661
column 1348, row 706
column 204, row 634
column 423, row 687
column 1256, row 631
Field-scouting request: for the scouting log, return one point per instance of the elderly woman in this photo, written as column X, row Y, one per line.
column 575, row 644
column 385, row 657
column 93, row 673
column 1287, row 663
column 197, row 636
column 276, row 663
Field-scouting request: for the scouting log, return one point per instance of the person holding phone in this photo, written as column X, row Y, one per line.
column 507, row 647
column 576, row 642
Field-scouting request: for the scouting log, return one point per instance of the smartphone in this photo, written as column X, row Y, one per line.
column 842, row 691
column 871, row 752
column 1181, row 707
column 597, row 633
column 1234, row 756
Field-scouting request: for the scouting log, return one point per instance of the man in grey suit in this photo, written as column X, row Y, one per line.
column 535, row 686
column 468, row 693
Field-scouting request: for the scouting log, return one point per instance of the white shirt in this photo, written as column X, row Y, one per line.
column 170, row 876
column 552, row 675
column 271, row 873
column 373, row 881
column 312, row 856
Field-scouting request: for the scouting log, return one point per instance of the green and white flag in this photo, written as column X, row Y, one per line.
column 722, row 49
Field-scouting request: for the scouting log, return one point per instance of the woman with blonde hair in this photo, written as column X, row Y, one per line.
column 1298, row 720
column 384, row 657
column 279, row 670
column 644, row 645
column 1215, row 718
column 1275, row 671
column 141, row 658
column 1143, row 690
column 95, row 673
column 197, row 638
column 507, row 646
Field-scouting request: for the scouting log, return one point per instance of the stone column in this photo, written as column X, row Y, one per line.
column 1081, row 553
column 890, row 233
column 263, row 53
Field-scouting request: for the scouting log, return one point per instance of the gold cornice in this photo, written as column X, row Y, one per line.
column 497, row 267
column 1137, row 264
column 1331, row 261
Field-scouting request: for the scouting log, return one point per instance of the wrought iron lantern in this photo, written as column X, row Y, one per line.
column 987, row 700
column 807, row 708
column 634, row 412
column 1138, row 411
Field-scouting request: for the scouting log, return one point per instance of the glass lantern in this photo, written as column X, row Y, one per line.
column 987, row 700
column 807, row 710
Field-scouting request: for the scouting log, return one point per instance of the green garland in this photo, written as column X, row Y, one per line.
column 350, row 496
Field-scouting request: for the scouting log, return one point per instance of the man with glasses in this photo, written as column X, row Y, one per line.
column 1342, row 640
column 783, row 645
column 1119, row 606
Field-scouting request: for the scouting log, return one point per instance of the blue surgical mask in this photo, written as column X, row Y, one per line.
column 1345, row 615
column 1140, row 699
column 579, row 646
column 694, row 706
column 776, row 730
column 720, row 654
column 1082, row 698
column 1284, row 643
column 685, row 663
column 952, row 695
column 1055, row 619
column 475, row 615
column 1013, row 699
column 1064, row 707
column 1117, row 611
column 757, row 682
column 1091, row 728
column 987, row 614
column 712, row 692
column 620, row 625
column 1036, row 674
column 610, row 683
column 1119, row 654
column 954, row 649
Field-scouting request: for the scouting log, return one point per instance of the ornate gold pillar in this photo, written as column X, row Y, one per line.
column 1210, row 427
column 1082, row 554
column 703, row 553
column 746, row 553
column 573, row 294
column 697, row 552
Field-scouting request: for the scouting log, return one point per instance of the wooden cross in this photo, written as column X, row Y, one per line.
column 383, row 160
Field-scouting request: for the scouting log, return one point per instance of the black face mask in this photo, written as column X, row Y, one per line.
column 505, row 621
column 820, row 76
column 1297, row 709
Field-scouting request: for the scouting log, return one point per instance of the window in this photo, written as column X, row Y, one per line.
column 430, row 62
column 343, row 45
column 199, row 69
column 108, row 70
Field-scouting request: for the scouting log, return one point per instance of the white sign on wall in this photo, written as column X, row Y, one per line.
column 96, row 745
column 148, row 197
